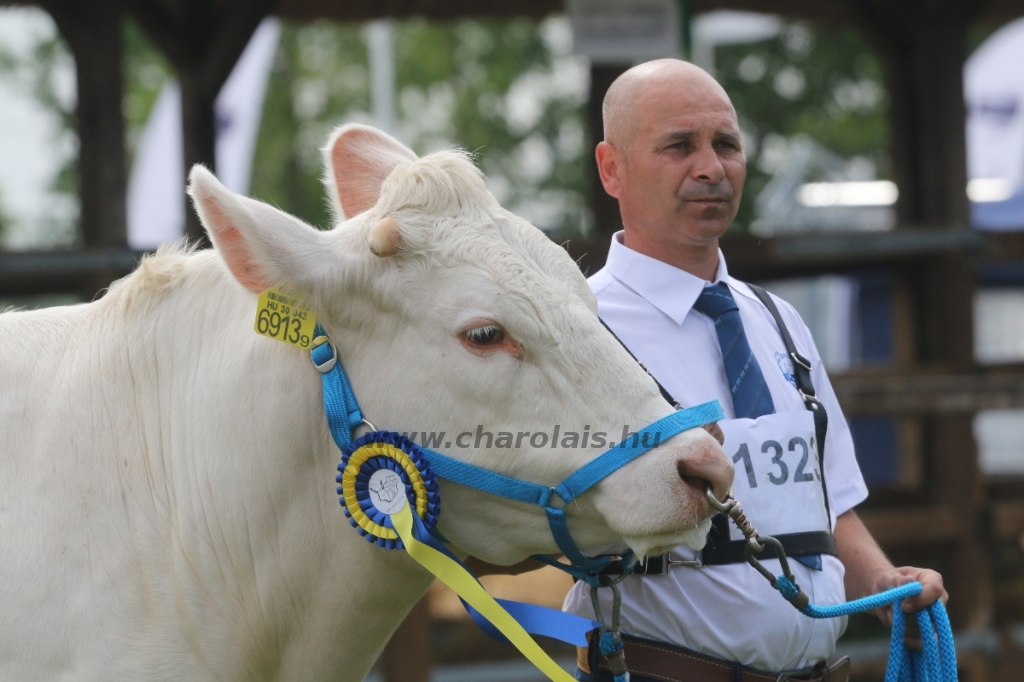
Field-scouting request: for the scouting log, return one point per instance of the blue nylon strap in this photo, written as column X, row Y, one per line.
column 589, row 474
column 536, row 620
column 340, row 404
column 473, row 476
column 560, row 531
column 645, row 440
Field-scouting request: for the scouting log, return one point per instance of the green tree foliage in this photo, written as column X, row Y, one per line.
column 40, row 73
column 509, row 91
column 821, row 82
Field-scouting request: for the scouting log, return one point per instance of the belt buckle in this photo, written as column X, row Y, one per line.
column 671, row 563
column 821, row 672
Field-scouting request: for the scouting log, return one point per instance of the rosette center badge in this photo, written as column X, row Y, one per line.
column 387, row 491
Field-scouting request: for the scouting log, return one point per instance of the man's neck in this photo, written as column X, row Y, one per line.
column 700, row 260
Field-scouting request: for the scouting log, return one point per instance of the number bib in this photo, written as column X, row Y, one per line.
column 778, row 479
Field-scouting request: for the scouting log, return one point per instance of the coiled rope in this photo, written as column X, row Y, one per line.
column 937, row 660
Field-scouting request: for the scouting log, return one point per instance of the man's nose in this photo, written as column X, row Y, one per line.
column 707, row 166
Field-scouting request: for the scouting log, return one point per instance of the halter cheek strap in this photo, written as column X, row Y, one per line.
column 344, row 415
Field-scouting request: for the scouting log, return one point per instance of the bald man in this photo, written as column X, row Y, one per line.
column 673, row 157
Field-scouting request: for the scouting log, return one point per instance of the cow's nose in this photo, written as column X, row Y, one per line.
column 709, row 466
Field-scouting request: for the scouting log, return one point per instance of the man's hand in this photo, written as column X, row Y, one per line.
column 929, row 579
column 869, row 572
column 932, row 591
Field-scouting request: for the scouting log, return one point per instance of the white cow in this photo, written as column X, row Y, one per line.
column 167, row 503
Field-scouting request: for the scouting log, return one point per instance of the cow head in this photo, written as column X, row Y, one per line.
column 465, row 324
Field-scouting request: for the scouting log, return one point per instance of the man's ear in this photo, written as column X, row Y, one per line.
column 357, row 160
column 609, row 166
column 261, row 245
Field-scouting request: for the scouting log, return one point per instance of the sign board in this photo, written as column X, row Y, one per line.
column 625, row 31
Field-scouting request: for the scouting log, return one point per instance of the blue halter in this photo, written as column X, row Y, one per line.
column 344, row 415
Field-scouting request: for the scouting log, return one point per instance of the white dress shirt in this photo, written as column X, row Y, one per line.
column 729, row 611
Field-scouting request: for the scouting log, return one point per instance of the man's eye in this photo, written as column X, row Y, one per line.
column 485, row 336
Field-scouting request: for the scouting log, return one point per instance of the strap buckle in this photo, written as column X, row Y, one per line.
column 671, row 563
column 800, row 360
column 327, row 365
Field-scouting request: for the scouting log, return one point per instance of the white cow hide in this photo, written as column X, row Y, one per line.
column 167, row 504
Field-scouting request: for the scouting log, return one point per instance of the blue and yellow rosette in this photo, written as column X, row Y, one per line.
column 390, row 495
column 375, row 470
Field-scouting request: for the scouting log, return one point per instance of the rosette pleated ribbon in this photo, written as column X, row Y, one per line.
column 390, row 496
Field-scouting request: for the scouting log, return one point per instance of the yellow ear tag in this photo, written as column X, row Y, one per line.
column 279, row 316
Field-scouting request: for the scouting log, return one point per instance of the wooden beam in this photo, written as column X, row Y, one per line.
column 92, row 29
column 364, row 10
column 759, row 259
column 52, row 272
column 920, row 392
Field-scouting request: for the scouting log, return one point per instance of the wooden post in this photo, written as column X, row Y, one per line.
column 409, row 654
column 93, row 32
column 604, row 208
column 923, row 48
column 202, row 39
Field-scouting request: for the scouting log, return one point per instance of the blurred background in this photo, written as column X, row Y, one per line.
column 885, row 200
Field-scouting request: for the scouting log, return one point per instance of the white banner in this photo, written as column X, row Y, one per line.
column 156, row 187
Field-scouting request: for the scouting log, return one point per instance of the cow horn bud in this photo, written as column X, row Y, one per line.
column 385, row 237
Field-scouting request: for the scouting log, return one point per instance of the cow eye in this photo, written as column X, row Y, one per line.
column 485, row 336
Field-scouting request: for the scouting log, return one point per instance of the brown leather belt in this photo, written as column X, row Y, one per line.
column 675, row 664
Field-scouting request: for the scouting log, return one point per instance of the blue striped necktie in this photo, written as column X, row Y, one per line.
column 750, row 395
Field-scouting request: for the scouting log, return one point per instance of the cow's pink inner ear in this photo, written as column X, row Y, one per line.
column 360, row 160
column 232, row 246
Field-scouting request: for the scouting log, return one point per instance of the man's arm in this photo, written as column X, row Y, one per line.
column 868, row 571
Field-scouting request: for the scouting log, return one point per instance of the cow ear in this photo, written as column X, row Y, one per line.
column 261, row 245
column 357, row 159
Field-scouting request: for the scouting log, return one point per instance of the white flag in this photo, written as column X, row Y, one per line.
column 156, row 187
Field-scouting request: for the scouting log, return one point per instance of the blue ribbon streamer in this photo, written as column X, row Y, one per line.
column 536, row 620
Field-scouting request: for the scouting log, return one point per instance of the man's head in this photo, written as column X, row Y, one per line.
column 672, row 157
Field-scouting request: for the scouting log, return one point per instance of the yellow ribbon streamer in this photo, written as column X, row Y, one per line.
column 467, row 587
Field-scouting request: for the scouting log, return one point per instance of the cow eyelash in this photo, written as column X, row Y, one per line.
column 488, row 335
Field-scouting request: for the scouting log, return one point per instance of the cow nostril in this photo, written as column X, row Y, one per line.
column 698, row 483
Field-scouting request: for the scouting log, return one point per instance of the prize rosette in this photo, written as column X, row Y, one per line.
column 381, row 472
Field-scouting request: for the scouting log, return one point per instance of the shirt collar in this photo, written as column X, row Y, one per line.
column 666, row 287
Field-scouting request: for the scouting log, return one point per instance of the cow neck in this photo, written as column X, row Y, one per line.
column 344, row 416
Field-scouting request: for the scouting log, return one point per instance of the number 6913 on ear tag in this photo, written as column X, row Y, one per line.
column 280, row 316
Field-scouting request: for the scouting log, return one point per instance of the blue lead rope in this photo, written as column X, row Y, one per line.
column 937, row 663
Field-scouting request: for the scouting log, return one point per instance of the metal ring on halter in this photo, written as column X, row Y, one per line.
column 329, row 364
column 364, row 422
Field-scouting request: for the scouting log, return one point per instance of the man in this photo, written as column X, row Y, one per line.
column 672, row 156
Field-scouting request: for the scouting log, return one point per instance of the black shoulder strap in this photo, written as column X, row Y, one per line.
column 801, row 365
column 664, row 392
column 802, row 375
